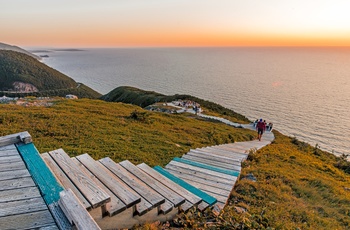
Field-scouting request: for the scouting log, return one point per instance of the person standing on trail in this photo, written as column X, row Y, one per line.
column 260, row 127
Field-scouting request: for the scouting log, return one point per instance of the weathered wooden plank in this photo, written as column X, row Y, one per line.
column 212, row 163
column 213, row 173
column 113, row 207
column 8, row 175
column 119, row 188
column 169, row 194
column 22, row 206
column 232, row 156
column 192, row 198
column 137, row 185
column 11, row 152
column 10, row 158
column 200, row 175
column 219, row 198
column 94, row 195
column 34, row 220
column 15, row 138
column 208, row 167
column 12, row 166
column 214, row 157
column 224, row 150
column 205, row 197
column 59, row 216
column 203, row 206
column 64, row 180
column 76, row 211
column 8, row 148
column 16, row 183
column 41, row 174
column 19, row 194
column 51, row 227
column 207, row 188
column 207, row 182
column 186, row 206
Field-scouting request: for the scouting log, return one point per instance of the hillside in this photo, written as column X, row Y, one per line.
column 21, row 74
column 144, row 98
column 297, row 186
column 4, row 46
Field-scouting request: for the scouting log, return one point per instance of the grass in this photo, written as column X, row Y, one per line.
column 108, row 129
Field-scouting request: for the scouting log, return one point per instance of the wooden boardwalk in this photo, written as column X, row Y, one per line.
column 115, row 195
column 21, row 204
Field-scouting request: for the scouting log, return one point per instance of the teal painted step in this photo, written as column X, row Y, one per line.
column 209, row 167
column 205, row 197
column 41, row 174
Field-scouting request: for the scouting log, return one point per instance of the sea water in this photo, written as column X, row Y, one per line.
column 304, row 92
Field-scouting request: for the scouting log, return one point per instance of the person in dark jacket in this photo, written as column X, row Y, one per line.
column 260, row 127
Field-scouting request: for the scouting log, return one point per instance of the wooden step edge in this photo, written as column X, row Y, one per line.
column 118, row 187
column 209, row 167
column 141, row 188
column 207, row 198
column 115, row 206
column 168, row 194
column 185, row 194
column 94, row 194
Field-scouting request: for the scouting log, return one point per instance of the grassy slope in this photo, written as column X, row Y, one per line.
column 105, row 129
column 144, row 98
column 20, row 67
column 297, row 185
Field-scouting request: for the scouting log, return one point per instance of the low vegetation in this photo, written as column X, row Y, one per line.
column 144, row 98
column 117, row 130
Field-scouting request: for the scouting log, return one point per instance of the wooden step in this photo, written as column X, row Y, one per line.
column 214, row 157
column 113, row 183
column 205, row 197
column 210, row 181
column 208, row 167
column 147, row 193
column 224, row 152
column 219, row 175
column 113, row 207
column 238, row 158
column 204, row 187
column 64, row 180
column 93, row 194
column 211, row 162
column 171, row 197
column 200, row 175
column 191, row 199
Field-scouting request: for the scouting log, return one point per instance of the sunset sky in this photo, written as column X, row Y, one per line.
column 128, row 23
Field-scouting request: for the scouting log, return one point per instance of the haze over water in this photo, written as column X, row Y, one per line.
column 305, row 92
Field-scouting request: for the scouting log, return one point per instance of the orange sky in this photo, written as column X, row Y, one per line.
column 122, row 23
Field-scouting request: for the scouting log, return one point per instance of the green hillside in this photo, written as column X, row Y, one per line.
column 19, row 67
column 297, row 186
column 144, row 98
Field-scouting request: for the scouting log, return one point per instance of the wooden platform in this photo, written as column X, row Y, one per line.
column 21, row 204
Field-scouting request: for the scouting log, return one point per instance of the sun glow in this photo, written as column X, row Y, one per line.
column 178, row 23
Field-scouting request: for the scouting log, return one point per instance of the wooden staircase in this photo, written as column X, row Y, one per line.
column 121, row 195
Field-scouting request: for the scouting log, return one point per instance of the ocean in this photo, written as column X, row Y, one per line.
column 304, row 92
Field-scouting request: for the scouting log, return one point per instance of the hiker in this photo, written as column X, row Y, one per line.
column 260, row 127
